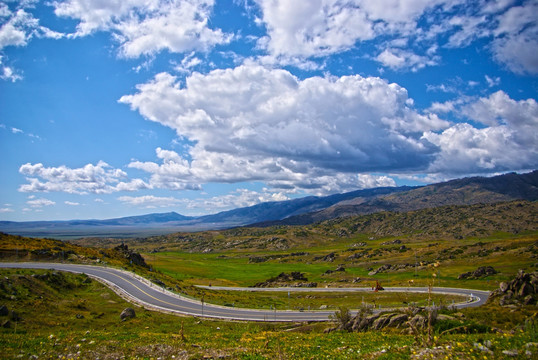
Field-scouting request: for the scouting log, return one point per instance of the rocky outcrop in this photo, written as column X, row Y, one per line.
column 133, row 257
column 522, row 290
column 481, row 272
column 284, row 279
column 409, row 321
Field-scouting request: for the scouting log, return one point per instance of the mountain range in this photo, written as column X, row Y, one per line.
column 301, row 211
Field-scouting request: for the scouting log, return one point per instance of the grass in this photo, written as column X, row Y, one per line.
column 50, row 329
column 233, row 268
column 317, row 300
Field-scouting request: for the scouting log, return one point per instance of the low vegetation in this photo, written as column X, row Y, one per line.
column 60, row 315
column 56, row 315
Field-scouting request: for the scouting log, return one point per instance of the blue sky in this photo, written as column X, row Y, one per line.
column 125, row 107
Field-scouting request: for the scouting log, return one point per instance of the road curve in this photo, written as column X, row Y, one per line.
column 142, row 292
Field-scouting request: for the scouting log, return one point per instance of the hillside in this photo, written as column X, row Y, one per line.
column 299, row 211
column 467, row 191
column 451, row 222
column 157, row 224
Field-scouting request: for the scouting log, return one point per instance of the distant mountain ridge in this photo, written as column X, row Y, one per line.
column 300, row 211
column 466, row 191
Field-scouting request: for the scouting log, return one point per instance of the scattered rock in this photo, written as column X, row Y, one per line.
column 389, row 267
column 393, row 242
column 481, row 272
column 127, row 313
column 482, row 347
column 329, row 257
column 4, row 311
column 284, row 278
column 79, row 316
column 512, row 353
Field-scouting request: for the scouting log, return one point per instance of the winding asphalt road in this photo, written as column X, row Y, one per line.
column 142, row 292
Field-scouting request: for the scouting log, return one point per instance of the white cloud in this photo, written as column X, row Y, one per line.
column 39, row 203
column 145, row 27
column 312, row 28
column 20, row 26
column 17, row 28
column 499, row 108
column 150, row 201
column 97, row 179
column 410, row 32
column 516, row 38
column 252, row 123
column 509, row 141
column 494, row 81
column 398, row 59
column 238, row 198
column 71, row 203
column 190, row 61
column 6, row 210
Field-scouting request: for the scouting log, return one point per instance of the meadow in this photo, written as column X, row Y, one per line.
column 68, row 316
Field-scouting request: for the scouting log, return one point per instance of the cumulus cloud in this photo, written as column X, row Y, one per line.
column 97, row 179
column 312, row 28
column 19, row 26
column 71, row 203
column 509, row 140
column 301, row 30
column 147, row 27
column 252, row 123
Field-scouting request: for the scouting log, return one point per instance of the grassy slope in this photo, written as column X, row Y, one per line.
column 50, row 329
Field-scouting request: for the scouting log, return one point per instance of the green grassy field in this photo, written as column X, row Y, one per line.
column 67, row 316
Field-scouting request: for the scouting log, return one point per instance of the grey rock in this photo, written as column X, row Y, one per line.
column 397, row 320
column 127, row 313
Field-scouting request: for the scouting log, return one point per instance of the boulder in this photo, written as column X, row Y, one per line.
column 523, row 289
column 127, row 313
column 381, row 322
column 397, row 320
column 4, row 311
